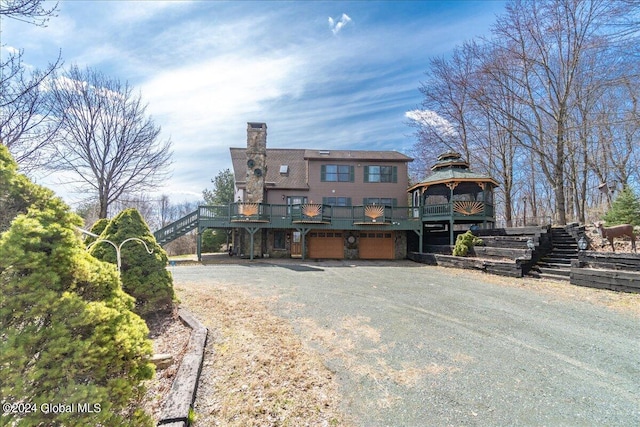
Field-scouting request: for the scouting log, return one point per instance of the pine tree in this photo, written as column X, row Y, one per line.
column 144, row 276
column 625, row 209
column 17, row 193
column 68, row 334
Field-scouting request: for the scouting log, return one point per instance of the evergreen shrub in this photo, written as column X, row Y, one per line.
column 464, row 242
column 68, row 335
column 144, row 276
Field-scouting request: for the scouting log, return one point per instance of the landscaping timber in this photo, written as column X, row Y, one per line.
column 615, row 280
column 607, row 260
column 510, row 269
column 614, row 271
column 175, row 410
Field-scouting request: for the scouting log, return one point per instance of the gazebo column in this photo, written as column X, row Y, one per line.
column 451, row 186
column 483, row 186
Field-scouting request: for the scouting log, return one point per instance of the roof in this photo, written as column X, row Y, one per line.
column 362, row 155
column 451, row 168
column 296, row 178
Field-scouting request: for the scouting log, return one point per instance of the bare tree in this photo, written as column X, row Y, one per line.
column 30, row 11
column 446, row 121
column 555, row 43
column 25, row 125
column 166, row 211
column 547, row 105
column 105, row 138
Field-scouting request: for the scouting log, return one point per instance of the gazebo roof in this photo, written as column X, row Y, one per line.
column 451, row 168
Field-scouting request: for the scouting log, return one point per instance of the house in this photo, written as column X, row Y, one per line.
column 319, row 203
column 340, row 204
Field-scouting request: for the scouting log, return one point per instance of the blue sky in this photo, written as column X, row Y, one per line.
column 331, row 75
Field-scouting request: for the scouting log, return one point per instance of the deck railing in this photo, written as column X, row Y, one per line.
column 307, row 213
column 287, row 215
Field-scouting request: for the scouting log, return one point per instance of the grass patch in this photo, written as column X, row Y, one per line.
column 256, row 370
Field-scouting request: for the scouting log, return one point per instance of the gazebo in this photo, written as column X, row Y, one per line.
column 454, row 196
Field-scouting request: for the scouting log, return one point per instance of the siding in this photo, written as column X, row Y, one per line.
column 359, row 189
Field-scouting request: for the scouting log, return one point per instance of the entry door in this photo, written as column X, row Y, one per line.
column 293, row 204
column 296, row 245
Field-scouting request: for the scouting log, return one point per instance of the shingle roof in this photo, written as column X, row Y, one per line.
column 296, row 178
column 450, row 167
column 363, row 155
column 443, row 176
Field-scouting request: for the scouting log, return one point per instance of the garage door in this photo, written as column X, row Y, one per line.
column 326, row 245
column 376, row 245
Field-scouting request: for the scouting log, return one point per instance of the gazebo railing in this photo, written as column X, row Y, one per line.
column 460, row 209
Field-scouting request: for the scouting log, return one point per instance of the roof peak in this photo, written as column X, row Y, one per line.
column 450, row 159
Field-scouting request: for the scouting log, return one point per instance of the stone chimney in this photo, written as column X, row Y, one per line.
column 256, row 161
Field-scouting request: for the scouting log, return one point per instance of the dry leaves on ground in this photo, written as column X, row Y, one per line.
column 622, row 302
column 256, row 370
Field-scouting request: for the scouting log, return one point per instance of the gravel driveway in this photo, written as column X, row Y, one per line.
column 413, row 345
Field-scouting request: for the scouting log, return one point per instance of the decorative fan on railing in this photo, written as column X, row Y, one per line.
column 374, row 212
column 248, row 209
column 468, row 207
column 311, row 210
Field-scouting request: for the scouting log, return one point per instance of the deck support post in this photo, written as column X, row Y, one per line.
column 420, row 233
column 199, row 244
column 303, row 233
column 252, row 231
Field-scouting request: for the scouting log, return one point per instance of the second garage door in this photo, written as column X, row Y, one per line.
column 376, row 245
column 326, row 245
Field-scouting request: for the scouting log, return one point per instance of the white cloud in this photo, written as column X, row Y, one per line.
column 10, row 50
column 215, row 90
column 140, row 11
column 337, row 26
column 434, row 121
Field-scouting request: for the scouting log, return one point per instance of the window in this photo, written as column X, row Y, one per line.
column 279, row 238
column 386, row 201
column 336, row 201
column 296, row 200
column 380, row 174
column 336, row 173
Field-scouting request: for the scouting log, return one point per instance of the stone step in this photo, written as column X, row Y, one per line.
column 563, row 250
column 557, row 277
column 558, row 258
column 557, row 265
column 556, row 271
column 569, row 244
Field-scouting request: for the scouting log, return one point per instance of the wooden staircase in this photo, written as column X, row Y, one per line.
column 556, row 264
column 177, row 228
